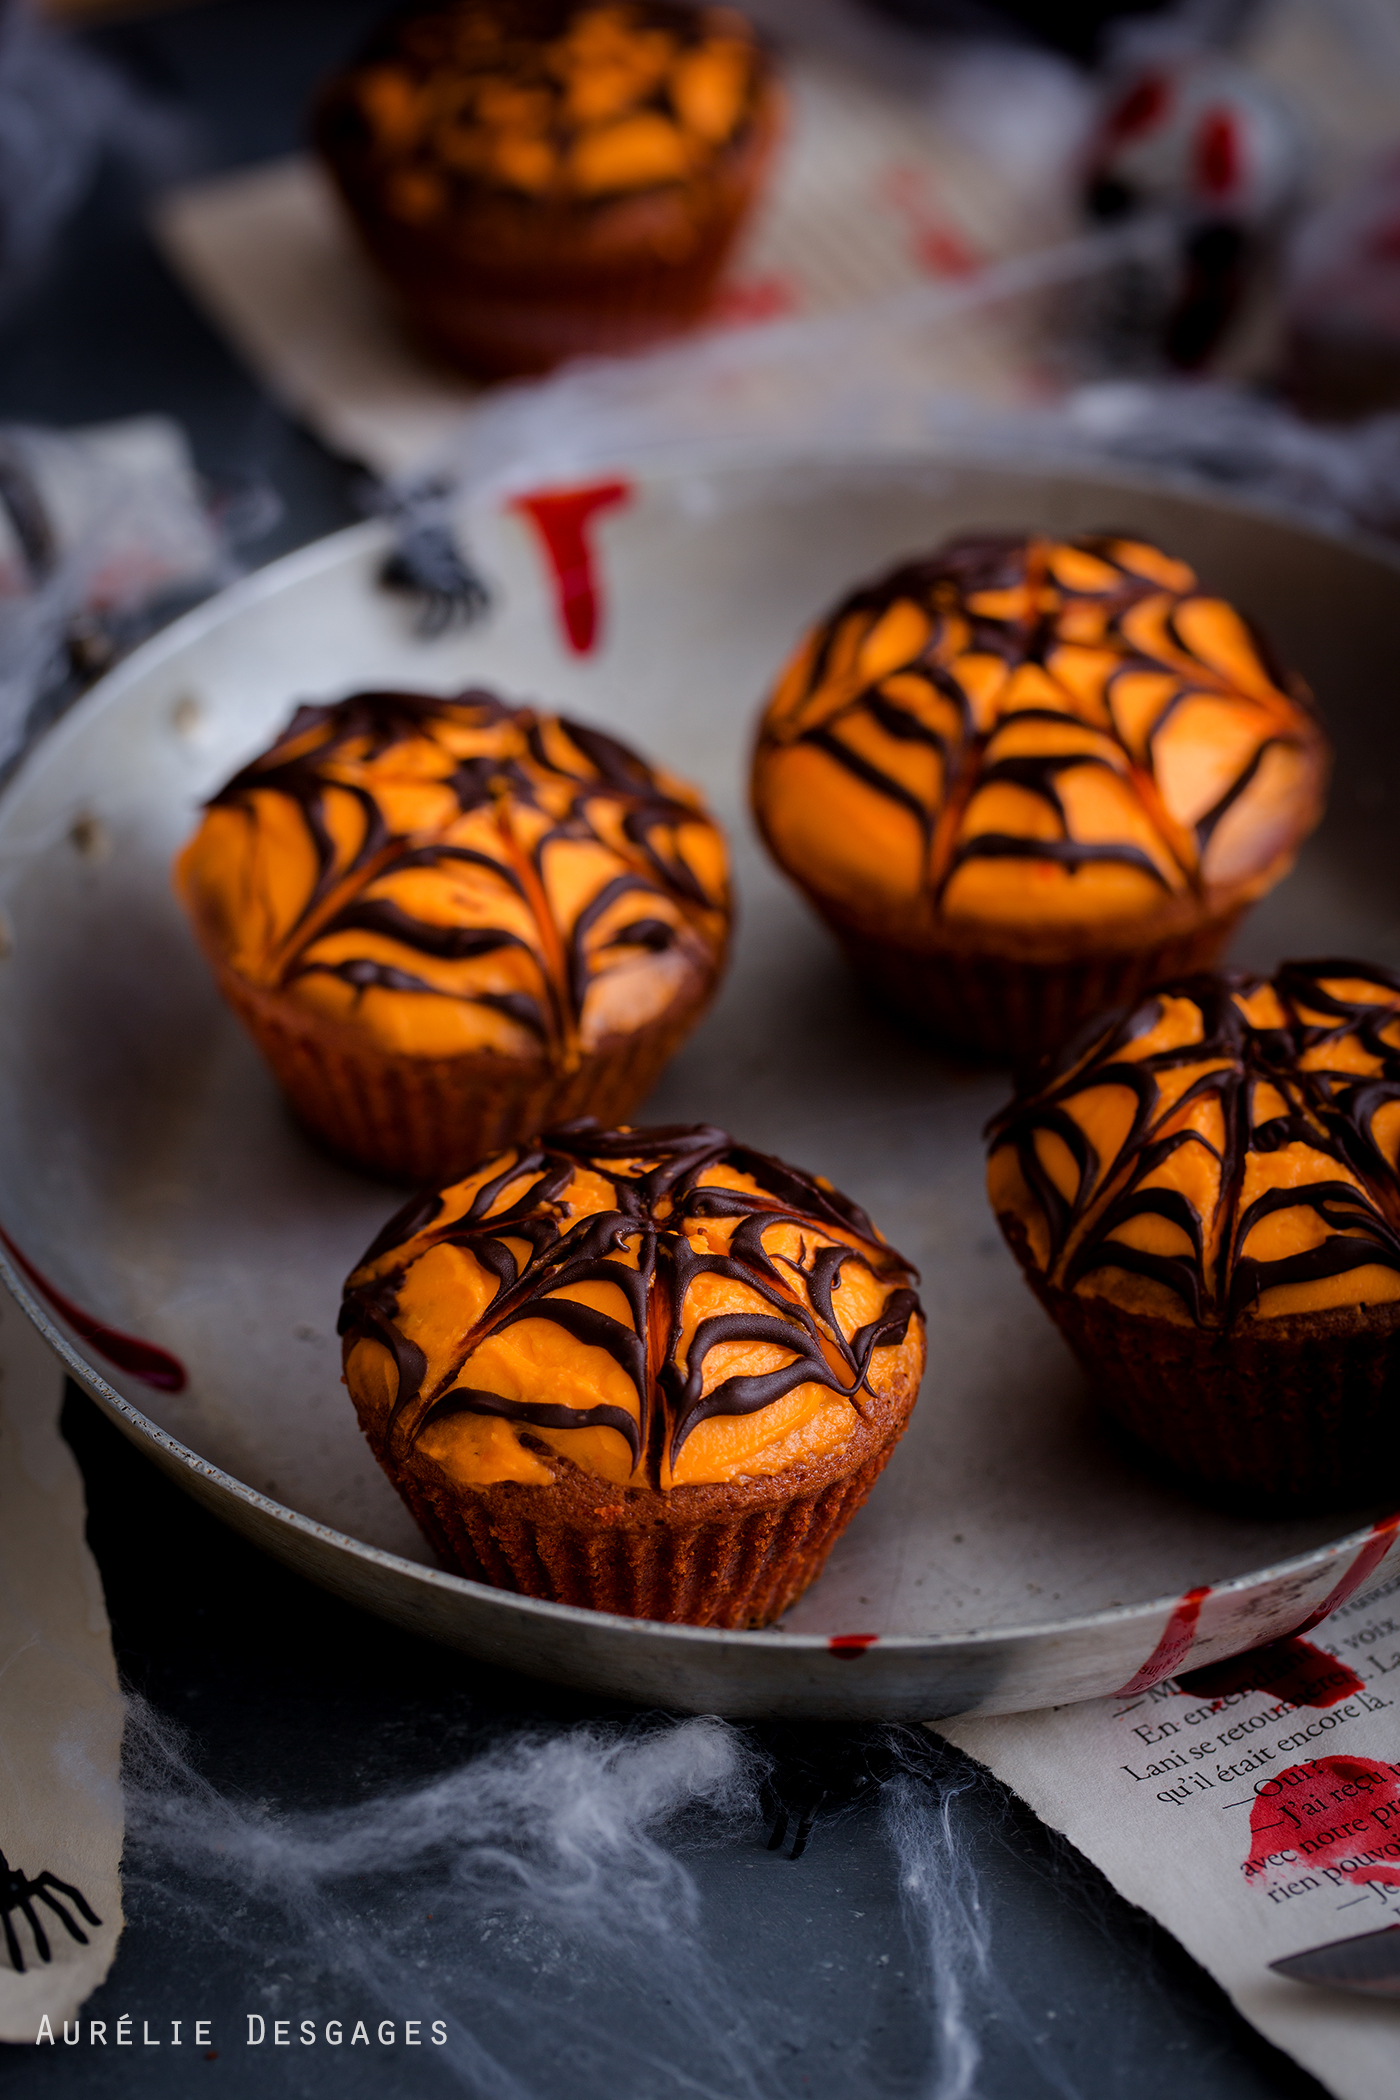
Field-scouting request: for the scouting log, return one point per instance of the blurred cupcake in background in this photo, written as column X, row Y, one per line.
column 544, row 179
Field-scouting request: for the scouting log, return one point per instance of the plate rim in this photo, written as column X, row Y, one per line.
column 342, row 547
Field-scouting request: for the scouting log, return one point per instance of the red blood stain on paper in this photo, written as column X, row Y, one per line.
column 1144, row 105
column 562, row 518
column 1335, row 1816
column 1369, row 1558
column 939, row 248
column 1293, row 1670
column 144, row 1360
column 756, row 299
column 1219, row 162
column 1174, row 1646
column 851, row 1643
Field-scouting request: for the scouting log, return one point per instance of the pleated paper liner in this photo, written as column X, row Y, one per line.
column 432, row 1119
column 1018, row 1010
column 731, row 1554
column 1273, row 1415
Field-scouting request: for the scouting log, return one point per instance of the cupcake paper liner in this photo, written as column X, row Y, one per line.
column 422, row 1119
column 677, row 1556
column 1290, row 1413
column 1015, row 1010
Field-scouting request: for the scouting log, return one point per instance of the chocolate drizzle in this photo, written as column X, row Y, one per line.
column 568, row 783
column 1088, row 619
column 1310, row 1061
column 650, row 1244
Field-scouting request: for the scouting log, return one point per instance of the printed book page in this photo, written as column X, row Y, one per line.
column 1253, row 1807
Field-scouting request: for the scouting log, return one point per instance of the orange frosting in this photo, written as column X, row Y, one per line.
column 451, row 876
column 1227, row 1152
column 656, row 1308
column 1034, row 734
column 547, row 100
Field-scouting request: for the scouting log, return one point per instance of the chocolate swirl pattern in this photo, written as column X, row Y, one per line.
column 1225, row 1154
column 455, row 875
column 659, row 1308
column 1034, row 733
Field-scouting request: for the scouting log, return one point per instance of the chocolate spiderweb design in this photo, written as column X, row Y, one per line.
column 649, row 1241
column 978, row 691
column 534, row 783
column 1230, row 1137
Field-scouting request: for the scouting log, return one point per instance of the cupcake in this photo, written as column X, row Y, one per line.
column 647, row 1371
column 447, row 921
column 1203, row 1194
column 1024, row 779
column 540, row 179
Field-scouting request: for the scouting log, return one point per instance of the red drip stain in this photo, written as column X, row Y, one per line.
column 1173, row 1648
column 1293, row 1670
column 851, row 1643
column 1144, row 105
column 1219, row 161
column 939, row 248
column 1369, row 1558
column 1338, row 1817
column 757, row 299
column 144, row 1360
column 562, row 518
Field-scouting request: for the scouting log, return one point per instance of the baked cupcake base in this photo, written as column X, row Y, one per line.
column 420, row 1119
column 1013, row 1008
column 735, row 1554
column 1295, row 1413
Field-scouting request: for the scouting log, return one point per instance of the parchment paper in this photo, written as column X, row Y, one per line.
column 1251, row 1826
column 870, row 197
column 61, row 1712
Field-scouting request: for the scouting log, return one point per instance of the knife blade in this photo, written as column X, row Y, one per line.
column 1369, row 1963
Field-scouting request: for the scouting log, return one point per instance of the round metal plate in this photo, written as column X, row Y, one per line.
column 1012, row 1555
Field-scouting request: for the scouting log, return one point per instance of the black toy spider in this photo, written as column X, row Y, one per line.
column 18, row 1893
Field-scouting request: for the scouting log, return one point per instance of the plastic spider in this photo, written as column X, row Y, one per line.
column 18, row 1893
column 819, row 1768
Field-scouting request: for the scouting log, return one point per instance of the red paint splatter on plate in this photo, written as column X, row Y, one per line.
column 851, row 1643
column 1293, row 1670
column 1173, row 1648
column 1338, row 1817
column 1369, row 1558
column 562, row 518
column 152, row 1365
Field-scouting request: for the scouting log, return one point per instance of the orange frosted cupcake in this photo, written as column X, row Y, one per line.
column 1024, row 778
column 647, row 1371
column 539, row 179
column 1205, row 1198
column 447, row 921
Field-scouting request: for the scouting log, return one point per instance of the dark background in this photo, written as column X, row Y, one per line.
column 289, row 1698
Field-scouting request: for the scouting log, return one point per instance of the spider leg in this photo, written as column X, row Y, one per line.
column 65, row 1888
column 75, row 1932
column 12, row 1944
column 807, row 1820
column 41, row 1938
column 780, row 1814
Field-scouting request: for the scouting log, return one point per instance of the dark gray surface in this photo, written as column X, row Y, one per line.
column 815, row 1986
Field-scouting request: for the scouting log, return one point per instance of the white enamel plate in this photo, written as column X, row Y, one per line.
column 152, row 1187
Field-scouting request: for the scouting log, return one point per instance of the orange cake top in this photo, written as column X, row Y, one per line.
column 656, row 1307
column 454, row 875
column 1034, row 733
column 556, row 100
column 1226, row 1152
